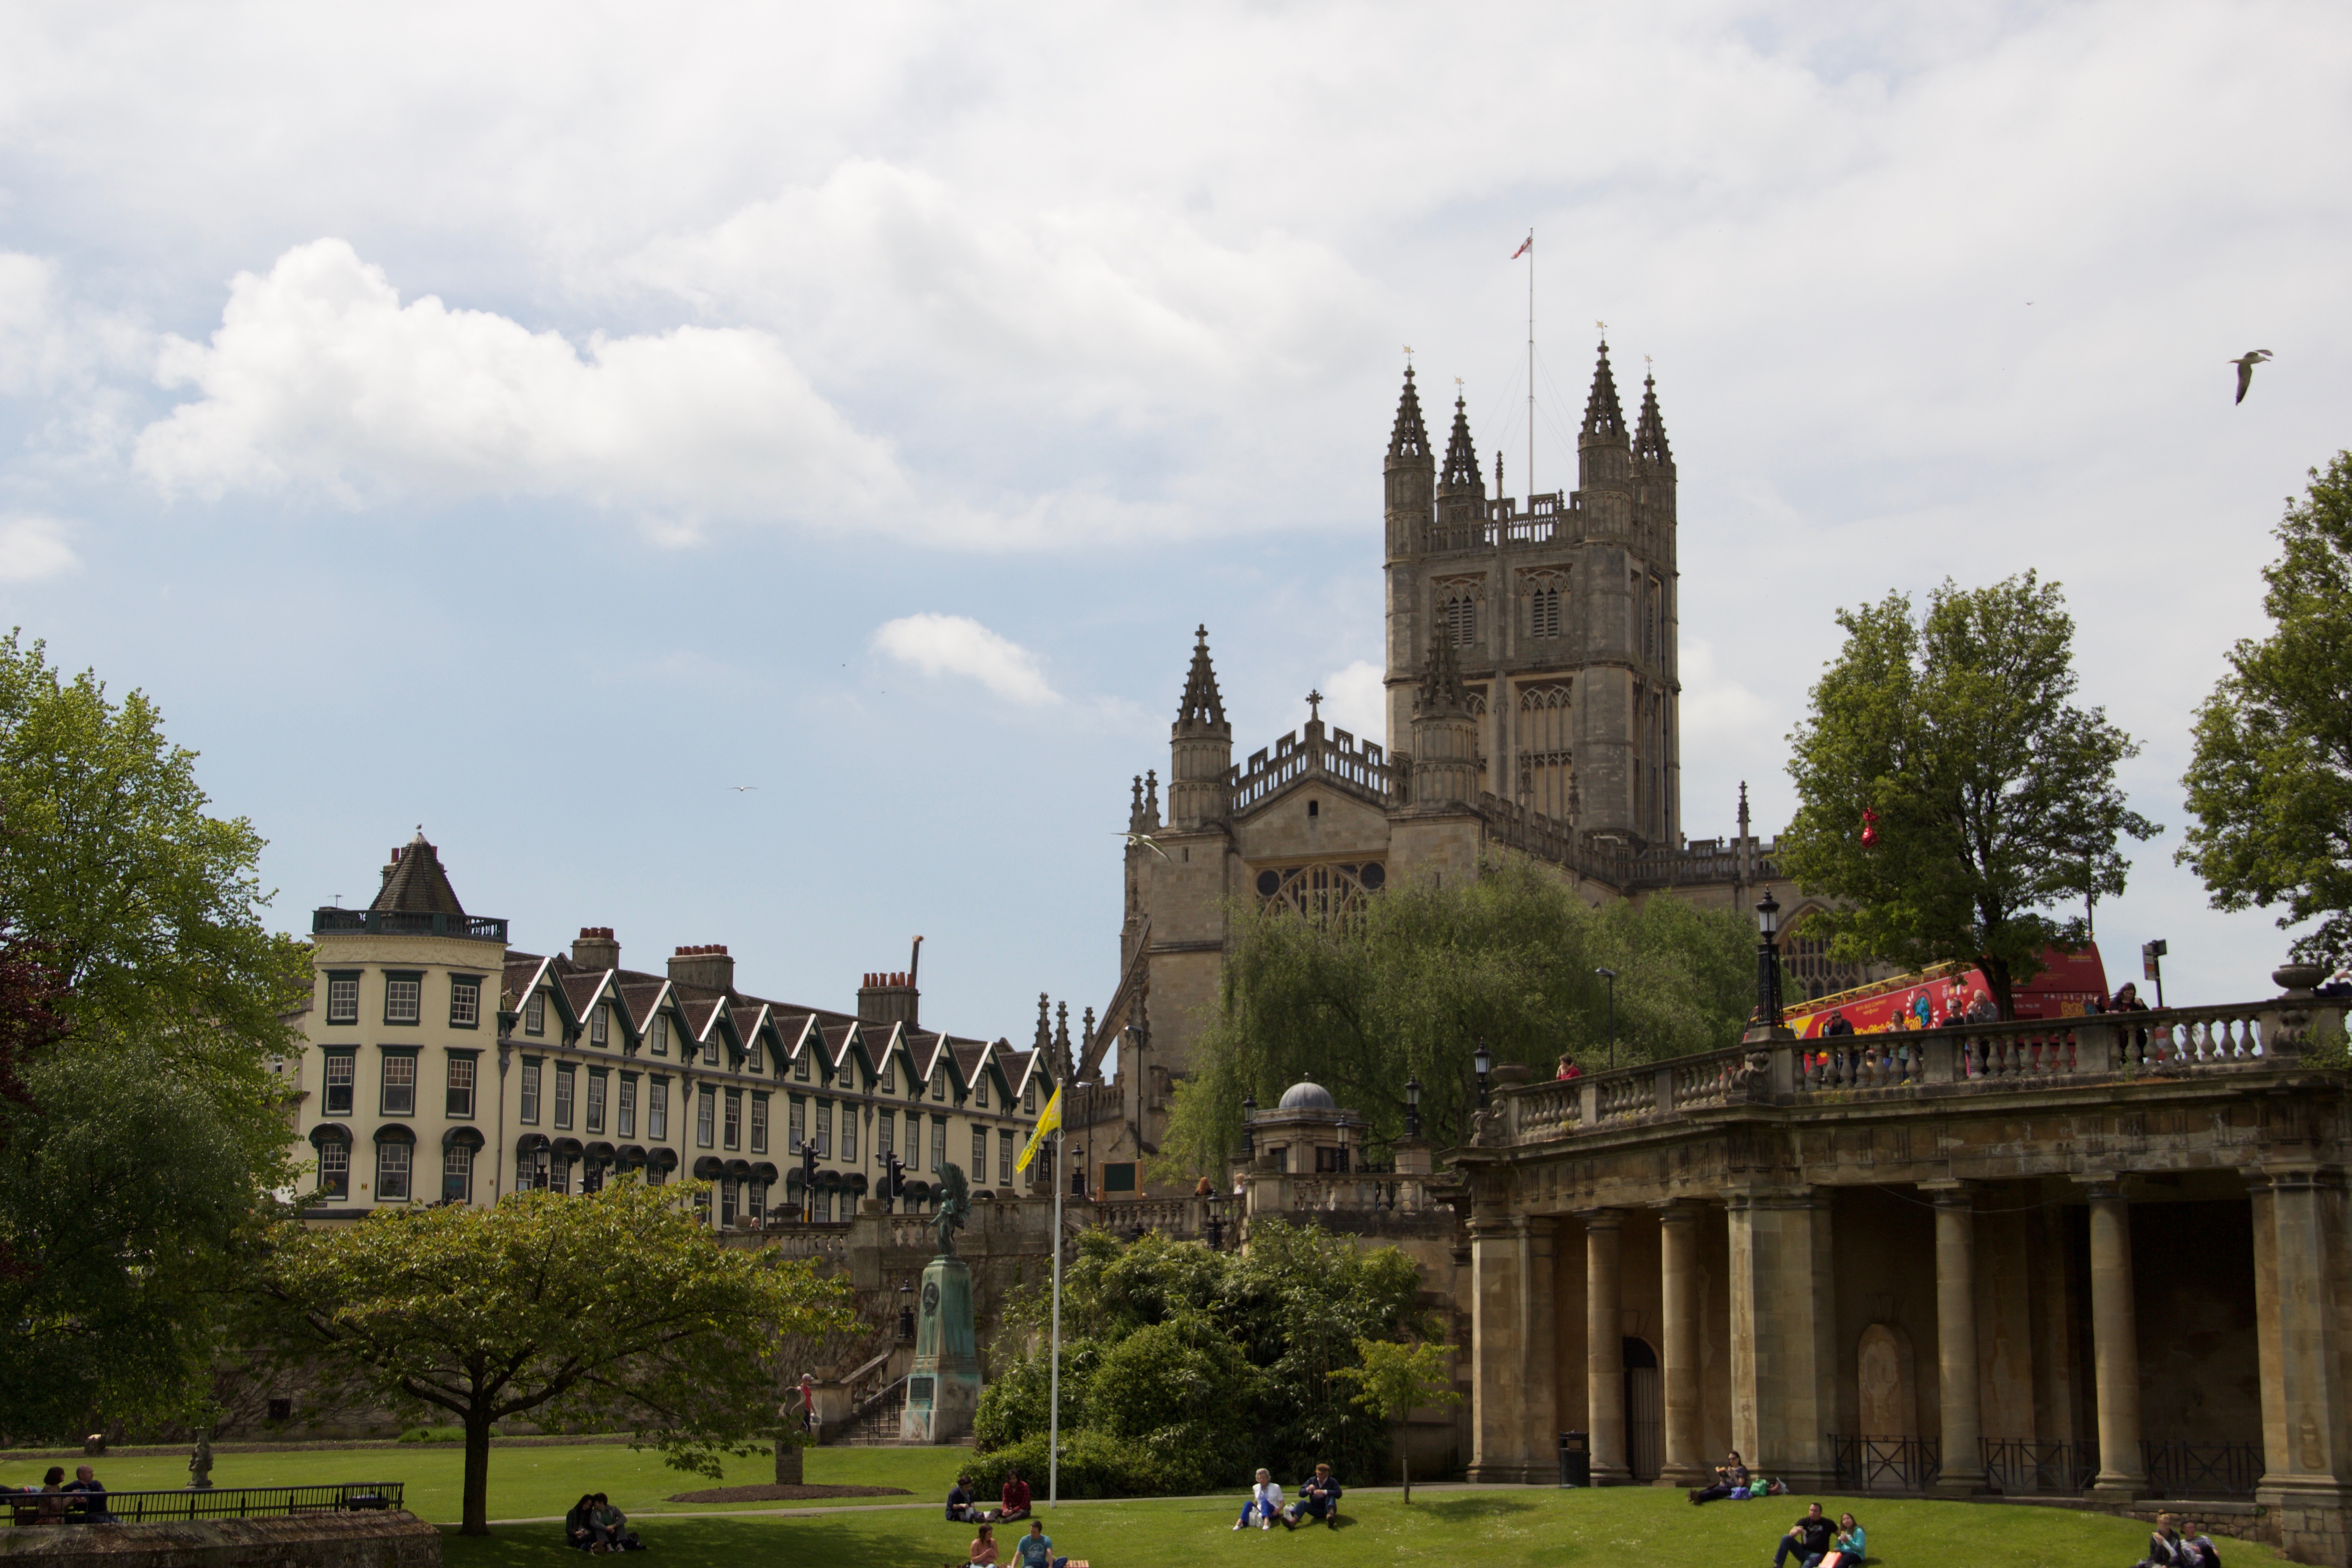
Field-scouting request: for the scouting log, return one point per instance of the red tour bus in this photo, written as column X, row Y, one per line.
column 2072, row 981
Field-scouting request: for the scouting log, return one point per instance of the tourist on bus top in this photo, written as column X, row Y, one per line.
column 2128, row 1000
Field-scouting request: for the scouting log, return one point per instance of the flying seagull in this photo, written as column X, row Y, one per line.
column 2245, row 364
column 739, row 789
column 1143, row 841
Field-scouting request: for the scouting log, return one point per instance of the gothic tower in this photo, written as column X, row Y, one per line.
column 1560, row 617
column 1201, row 748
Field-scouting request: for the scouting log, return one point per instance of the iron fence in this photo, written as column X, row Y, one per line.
column 1885, row 1464
column 2178, row 1468
column 2022, row 1468
column 36, row 1508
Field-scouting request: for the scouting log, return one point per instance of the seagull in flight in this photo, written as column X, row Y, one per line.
column 2245, row 364
column 741, row 789
column 1143, row 841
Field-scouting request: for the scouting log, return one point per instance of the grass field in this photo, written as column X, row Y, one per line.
column 1495, row 1528
column 1500, row 1528
column 525, row 1482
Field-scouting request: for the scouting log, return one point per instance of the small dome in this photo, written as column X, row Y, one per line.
column 1307, row 1096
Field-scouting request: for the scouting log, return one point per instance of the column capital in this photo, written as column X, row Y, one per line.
column 1950, row 1195
column 1675, row 1212
column 2295, row 1177
column 1601, row 1219
column 2104, row 1186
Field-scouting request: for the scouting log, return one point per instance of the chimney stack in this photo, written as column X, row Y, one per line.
column 596, row 949
column 888, row 998
column 704, row 964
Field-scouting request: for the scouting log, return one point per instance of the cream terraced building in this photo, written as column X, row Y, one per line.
column 442, row 1066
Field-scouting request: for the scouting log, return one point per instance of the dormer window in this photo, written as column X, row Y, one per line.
column 534, row 1014
column 980, row 1092
column 600, row 1023
column 1029, row 1098
column 801, row 1064
column 939, row 1082
column 710, row 1048
column 888, row 1082
column 657, row 1036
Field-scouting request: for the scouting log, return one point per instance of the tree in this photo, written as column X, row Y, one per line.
column 2271, row 781
column 1394, row 1381
column 1407, row 985
column 613, row 1306
column 1995, row 796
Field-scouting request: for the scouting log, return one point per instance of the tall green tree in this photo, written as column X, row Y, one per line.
column 616, row 1307
column 1994, row 795
column 1394, row 1380
column 1409, row 983
column 2271, row 781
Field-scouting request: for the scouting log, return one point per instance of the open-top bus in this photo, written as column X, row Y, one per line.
column 2072, row 981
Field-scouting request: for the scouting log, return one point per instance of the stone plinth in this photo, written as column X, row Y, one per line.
column 391, row 1539
column 943, row 1389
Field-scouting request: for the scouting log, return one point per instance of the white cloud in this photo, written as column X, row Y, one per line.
column 958, row 644
column 32, row 548
column 319, row 375
column 1356, row 698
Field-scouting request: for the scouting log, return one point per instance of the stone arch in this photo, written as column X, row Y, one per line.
column 1888, row 1374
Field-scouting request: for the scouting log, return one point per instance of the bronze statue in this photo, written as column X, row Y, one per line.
column 955, row 1202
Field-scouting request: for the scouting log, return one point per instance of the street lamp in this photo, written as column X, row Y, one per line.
column 1413, row 1108
column 1610, row 976
column 1249, row 1139
column 1768, row 961
column 1481, row 1060
column 906, row 1307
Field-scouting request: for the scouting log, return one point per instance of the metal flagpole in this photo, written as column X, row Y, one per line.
column 1531, row 371
column 1054, row 1378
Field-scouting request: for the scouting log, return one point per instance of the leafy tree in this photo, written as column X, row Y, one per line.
column 1995, row 795
column 1407, row 985
column 614, row 1307
column 1395, row 1380
column 2271, row 781
column 1171, row 1349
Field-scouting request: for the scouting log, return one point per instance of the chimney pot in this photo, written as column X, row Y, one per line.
column 596, row 949
column 703, row 963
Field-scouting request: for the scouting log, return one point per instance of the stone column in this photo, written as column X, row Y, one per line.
column 1497, row 1427
column 1783, row 1335
column 2298, row 1271
column 2114, row 1334
column 1539, row 1398
column 1604, row 1347
column 1963, row 1472
column 1684, row 1293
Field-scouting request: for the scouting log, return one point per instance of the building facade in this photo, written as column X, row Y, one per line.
column 1533, row 705
column 443, row 1065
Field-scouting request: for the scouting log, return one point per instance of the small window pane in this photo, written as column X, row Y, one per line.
column 596, row 1102
column 530, row 1099
column 706, row 1113
column 628, row 1108
column 660, row 1038
column 734, row 1118
column 335, row 1168
column 795, row 1124
column 564, row 1094
column 1029, row 1098
column 889, row 1084
column 939, row 1082
column 399, row 1085
column 758, row 1124
column 825, row 1128
column 465, row 1002
column 980, row 1091
column 848, row 1134
column 402, row 1000
column 938, row 1145
column 600, row 1023
column 458, row 1173
column 391, row 1173
column 979, row 1156
column 710, row 1048
column 1003, row 1159
column 883, row 1121
column 801, row 1062
column 534, row 1014
column 340, row 1065
column 461, row 1088
column 343, row 999
column 657, row 1111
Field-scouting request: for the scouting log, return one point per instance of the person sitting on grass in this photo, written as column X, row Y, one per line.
column 1850, row 1544
column 1318, row 1499
column 2193, row 1540
column 959, row 1509
column 1808, row 1540
column 1729, row 1477
column 984, row 1547
column 1015, row 1497
column 580, row 1525
column 611, row 1526
column 1264, row 1503
column 1035, row 1550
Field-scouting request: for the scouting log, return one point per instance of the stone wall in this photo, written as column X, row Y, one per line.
column 390, row 1539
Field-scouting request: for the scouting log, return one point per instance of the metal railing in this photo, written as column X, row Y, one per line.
column 2020, row 1468
column 1885, row 1464
column 28, row 1507
column 403, row 923
column 2178, row 1468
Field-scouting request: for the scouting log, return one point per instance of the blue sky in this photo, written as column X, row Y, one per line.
column 533, row 423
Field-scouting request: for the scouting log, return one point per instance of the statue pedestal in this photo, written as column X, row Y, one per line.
column 943, row 1389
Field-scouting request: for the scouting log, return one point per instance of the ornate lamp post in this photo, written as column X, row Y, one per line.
column 1249, row 1138
column 1413, row 1109
column 1768, row 961
column 1482, row 1061
column 1610, row 976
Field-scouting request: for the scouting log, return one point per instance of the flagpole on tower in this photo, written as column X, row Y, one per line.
column 1527, row 248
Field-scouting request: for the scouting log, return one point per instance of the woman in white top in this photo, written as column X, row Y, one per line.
column 1265, row 1501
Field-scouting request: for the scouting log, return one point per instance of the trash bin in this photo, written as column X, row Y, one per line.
column 1575, row 1459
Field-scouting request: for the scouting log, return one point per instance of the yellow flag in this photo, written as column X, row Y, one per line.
column 1046, row 1123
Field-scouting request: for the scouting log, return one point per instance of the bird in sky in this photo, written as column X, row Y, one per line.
column 1143, row 841
column 739, row 789
column 2245, row 364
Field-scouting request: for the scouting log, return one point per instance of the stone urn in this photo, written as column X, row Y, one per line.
column 2298, row 979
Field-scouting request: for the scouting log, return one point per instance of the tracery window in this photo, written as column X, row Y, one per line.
column 1543, row 592
column 1323, row 889
column 1545, row 749
column 1806, row 956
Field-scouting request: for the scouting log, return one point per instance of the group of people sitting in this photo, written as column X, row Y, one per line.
column 1318, row 1499
column 1013, row 1502
column 1815, row 1543
column 1032, row 1550
column 1035, row 1549
column 2181, row 1542
column 596, row 1525
column 56, row 1501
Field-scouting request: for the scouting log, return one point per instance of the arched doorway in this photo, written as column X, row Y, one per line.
column 1645, row 1411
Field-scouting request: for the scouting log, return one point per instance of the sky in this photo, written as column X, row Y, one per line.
column 751, row 474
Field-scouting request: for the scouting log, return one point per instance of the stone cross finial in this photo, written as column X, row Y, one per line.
column 1314, row 705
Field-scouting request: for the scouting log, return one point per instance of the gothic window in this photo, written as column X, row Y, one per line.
column 1323, row 889
column 1657, row 620
column 1462, row 620
column 1546, row 749
column 1806, row 956
column 1543, row 592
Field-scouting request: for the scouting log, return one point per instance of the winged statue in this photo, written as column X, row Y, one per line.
column 955, row 1202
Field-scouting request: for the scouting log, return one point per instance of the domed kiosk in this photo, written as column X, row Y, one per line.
column 1308, row 1133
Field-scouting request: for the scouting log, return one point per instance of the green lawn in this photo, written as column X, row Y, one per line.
column 525, row 1482
column 1500, row 1528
